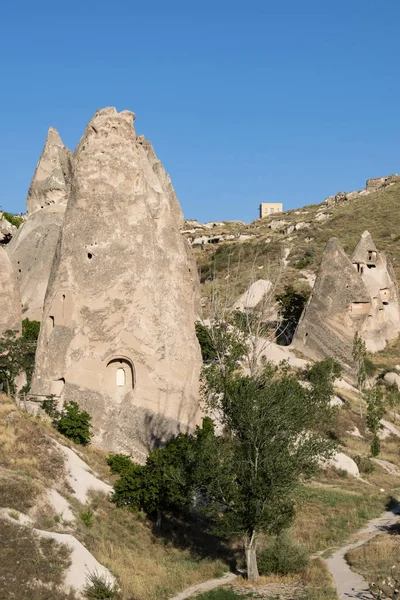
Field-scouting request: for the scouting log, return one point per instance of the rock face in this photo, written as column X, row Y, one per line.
column 52, row 179
column 118, row 334
column 10, row 305
column 349, row 296
column 32, row 247
column 376, row 271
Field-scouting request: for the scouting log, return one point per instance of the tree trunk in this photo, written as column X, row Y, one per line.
column 158, row 519
column 250, row 546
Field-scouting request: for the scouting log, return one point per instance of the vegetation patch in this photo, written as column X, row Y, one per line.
column 31, row 567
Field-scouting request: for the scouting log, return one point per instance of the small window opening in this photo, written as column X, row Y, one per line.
column 90, row 255
column 51, row 322
column 121, row 377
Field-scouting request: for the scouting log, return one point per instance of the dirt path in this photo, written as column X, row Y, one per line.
column 206, row 586
column 349, row 584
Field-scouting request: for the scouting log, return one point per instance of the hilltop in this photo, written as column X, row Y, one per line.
column 300, row 235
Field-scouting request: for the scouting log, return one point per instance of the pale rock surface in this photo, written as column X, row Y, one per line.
column 31, row 252
column 349, row 295
column 80, row 477
column 253, row 295
column 345, row 463
column 10, row 303
column 60, row 505
column 392, row 379
column 52, row 178
column 34, row 244
column 118, row 331
column 7, row 230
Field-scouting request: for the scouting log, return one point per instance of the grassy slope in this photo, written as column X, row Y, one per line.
column 377, row 212
column 329, row 510
column 148, row 566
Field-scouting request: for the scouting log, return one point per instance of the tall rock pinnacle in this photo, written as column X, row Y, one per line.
column 118, row 330
column 52, row 178
column 32, row 248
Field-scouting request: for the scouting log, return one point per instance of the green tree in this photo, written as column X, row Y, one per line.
column 375, row 412
column 291, row 306
column 17, row 354
column 75, row 424
column 206, row 343
column 167, row 480
column 272, row 442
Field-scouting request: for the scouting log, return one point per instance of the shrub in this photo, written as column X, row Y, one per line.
column 99, row 587
column 15, row 220
column 87, row 518
column 364, row 464
column 75, row 424
column 119, row 463
column 306, row 260
column 282, row 557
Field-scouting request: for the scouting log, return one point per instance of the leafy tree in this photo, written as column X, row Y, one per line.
column 360, row 358
column 75, row 424
column 167, row 480
column 291, row 306
column 17, row 354
column 250, row 475
column 375, row 412
column 206, row 344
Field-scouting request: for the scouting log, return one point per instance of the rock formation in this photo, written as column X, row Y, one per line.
column 10, row 305
column 376, row 271
column 118, row 334
column 52, row 179
column 33, row 245
column 349, row 296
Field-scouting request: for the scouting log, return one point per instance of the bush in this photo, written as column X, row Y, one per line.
column 364, row 464
column 282, row 557
column 306, row 260
column 15, row 220
column 98, row 587
column 87, row 517
column 119, row 463
column 75, row 424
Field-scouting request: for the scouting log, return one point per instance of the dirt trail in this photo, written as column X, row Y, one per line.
column 206, row 586
column 349, row 584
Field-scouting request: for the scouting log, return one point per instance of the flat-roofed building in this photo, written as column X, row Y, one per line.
column 270, row 208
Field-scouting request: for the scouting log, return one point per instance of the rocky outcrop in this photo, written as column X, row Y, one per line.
column 10, row 304
column 118, row 334
column 376, row 271
column 372, row 185
column 328, row 323
column 349, row 296
column 33, row 245
column 52, row 178
column 31, row 252
column 7, row 230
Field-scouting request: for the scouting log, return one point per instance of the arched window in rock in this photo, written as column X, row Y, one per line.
column 120, row 374
column 121, row 377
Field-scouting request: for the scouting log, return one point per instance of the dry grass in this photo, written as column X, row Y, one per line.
column 318, row 582
column 378, row 559
column 326, row 517
column 127, row 545
column 31, row 567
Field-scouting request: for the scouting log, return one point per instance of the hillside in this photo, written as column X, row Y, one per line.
column 249, row 251
column 38, row 495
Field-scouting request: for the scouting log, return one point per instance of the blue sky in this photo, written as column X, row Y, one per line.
column 243, row 101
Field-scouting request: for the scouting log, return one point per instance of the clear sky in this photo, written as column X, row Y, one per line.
column 245, row 101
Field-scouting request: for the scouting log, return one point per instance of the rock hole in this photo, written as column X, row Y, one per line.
column 90, row 255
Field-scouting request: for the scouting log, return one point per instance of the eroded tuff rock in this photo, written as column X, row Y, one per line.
column 350, row 295
column 31, row 252
column 118, row 334
column 32, row 247
column 10, row 305
column 52, row 178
